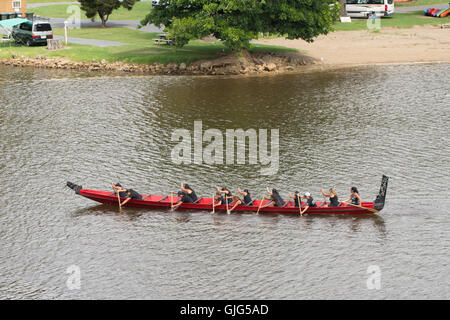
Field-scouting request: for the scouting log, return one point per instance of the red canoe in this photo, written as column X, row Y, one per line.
column 205, row 204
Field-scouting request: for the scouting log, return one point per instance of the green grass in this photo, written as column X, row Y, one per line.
column 139, row 11
column 420, row 3
column 398, row 20
column 139, row 49
column 124, row 35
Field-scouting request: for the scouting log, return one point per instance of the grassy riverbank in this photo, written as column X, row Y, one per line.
column 139, row 48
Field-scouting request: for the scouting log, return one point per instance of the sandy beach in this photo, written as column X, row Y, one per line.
column 362, row 47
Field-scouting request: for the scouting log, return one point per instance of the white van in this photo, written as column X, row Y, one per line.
column 366, row 8
column 32, row 32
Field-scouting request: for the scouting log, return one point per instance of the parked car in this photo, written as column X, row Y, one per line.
column 32, row 32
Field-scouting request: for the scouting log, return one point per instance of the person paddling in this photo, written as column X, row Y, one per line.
column 332, row 195
column 309, row 202
column 237, row 201
column 118, row 188
column 296, row 196
column 218, row 199
column 187, row 195
column 246, row 194
column 131, row 194
column 226, row 193
column 274, row 197
column 354, row 197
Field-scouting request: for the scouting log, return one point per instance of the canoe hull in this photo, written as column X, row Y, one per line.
column 205, row 204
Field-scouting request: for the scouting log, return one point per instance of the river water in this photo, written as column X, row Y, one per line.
column 336, row 128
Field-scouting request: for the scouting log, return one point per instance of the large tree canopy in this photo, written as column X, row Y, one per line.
column 236, row 22
column 104, row 7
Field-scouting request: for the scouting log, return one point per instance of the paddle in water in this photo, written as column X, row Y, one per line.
column 118, row 196
column 299, row 204
column 173, row 206
column 260, row 204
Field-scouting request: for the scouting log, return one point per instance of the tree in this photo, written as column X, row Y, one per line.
column 104, row 8
column 343, row 12
column 236, row 22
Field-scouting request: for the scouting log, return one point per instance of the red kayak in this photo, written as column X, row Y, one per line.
column 205, row 204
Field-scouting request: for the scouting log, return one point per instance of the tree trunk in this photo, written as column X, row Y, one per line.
column 103, row 18
column 343, row 12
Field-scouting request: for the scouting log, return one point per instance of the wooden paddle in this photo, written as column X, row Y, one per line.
column 299, row 204
column 213, row 204
column 173, row 206
column 171, row 200
column 260, row 204
column 118, row 198
column 358, row 206
column 226, row 204
column 324, row 201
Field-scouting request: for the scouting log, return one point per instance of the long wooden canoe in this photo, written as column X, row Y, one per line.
column 205, row 204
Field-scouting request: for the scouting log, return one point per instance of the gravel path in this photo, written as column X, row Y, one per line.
column 132, row 24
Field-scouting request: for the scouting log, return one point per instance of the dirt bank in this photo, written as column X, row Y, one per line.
column 241, row 63
column 389, row 45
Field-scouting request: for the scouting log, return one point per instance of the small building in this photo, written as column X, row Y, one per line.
column 13, row 9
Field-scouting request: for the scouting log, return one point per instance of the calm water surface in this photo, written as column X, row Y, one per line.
column 337, row 128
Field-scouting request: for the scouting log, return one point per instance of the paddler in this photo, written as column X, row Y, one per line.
column 247, row 198
column 274, row 197
column 131, row 194
column 187, row 195
column 332, row 195
column 218, row 199
column 226, row 193
column 309, row 202
column 354, row 197
column 118, row 188
column 237, row 201
column 296, row 196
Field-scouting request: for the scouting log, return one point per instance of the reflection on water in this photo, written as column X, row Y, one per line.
column 337, row 128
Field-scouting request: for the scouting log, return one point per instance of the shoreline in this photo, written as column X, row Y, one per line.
column 340, row 49
column 240, row 63
column 133, row 70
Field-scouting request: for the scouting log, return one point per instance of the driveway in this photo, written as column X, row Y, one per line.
column 85, row 23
